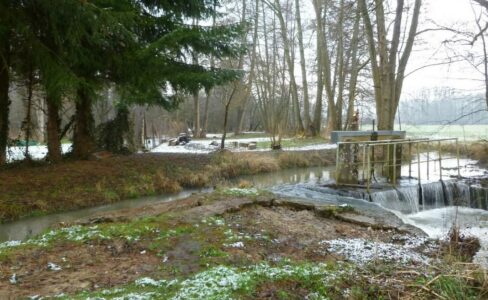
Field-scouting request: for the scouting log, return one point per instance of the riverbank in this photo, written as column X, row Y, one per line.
column 239, row 244
column 27, row 190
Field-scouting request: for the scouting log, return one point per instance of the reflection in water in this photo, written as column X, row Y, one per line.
column 26, row 228
column 310, row 175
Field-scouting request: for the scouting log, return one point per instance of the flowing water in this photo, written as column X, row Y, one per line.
column 433, row 207
column 28, row 227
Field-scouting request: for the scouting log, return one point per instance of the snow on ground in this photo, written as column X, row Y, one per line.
column 204, row 147
column 362, row 251
column 36, row 152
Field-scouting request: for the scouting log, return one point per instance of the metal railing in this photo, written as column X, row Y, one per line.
column 388, row 155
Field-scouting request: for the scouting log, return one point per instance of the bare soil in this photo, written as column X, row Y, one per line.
column 291, row 233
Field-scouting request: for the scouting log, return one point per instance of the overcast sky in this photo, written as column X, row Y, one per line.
column 429, row 49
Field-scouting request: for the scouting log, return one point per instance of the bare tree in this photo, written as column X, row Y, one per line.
column 287, row 44
column 338, row 57
column 388, row 62
column 241, row 89
column 306, row 101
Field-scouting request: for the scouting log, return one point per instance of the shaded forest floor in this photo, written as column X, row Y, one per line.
column 235, row 244
column 40, row 188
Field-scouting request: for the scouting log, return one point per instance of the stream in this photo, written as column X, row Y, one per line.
column 443, row 203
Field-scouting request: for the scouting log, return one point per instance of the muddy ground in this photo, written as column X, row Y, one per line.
column 182, row 239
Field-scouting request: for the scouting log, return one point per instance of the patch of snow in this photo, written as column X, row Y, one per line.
column 205, row 147
column 312, row 147
column 137, row 296
column 13, row 279
column 36, row 152
column 147, row 281
column 219, row 282
column 9, row 244
column 362, row 251
column 53, row 267
column 235, row 245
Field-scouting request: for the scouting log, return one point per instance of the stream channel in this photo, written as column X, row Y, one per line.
column 444, row 203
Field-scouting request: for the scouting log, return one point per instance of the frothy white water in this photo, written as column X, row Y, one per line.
column 436, row 223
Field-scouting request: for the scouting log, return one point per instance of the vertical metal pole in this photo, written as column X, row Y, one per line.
column 428, row 160
column 364, row 162
column 457, row 157
column 387, row 161
column 394, row 165
column 368, row 181
column 440, row 161
column 418, row 162
column 337, row 162
column 410, row 159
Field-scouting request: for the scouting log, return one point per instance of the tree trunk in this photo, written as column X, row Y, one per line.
column 28, row 116
column 83, row 141
column 317, row 119
column 388, row 79
column 355, row 69
column 306, row 101
column 196, row 115
column 4, row 112
column 205, row 115
column 226, row 116
column 240, row 116
column 290, row 64
column 53, row 130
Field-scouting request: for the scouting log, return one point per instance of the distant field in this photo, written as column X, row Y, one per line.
column 463, row 132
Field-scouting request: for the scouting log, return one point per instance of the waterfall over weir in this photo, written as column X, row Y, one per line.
column 432, row 195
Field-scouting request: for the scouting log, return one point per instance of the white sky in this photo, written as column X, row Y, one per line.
column 429, row 49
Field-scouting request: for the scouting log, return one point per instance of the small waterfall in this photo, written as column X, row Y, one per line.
column 393, row 199
column 457, row 194
column 409, row 195
column 434, row 195
column 478, row 197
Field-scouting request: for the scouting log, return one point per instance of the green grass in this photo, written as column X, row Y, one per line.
column 223, row 282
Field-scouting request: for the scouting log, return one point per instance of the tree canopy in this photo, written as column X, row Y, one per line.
column 141, row 47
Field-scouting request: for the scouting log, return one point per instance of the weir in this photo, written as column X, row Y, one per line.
column 407, row 175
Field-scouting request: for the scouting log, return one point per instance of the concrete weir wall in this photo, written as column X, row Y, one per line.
column 348, row 160
column 363, row 136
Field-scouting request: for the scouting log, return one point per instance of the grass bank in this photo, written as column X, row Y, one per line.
column 234, row 244
column 27, row 190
